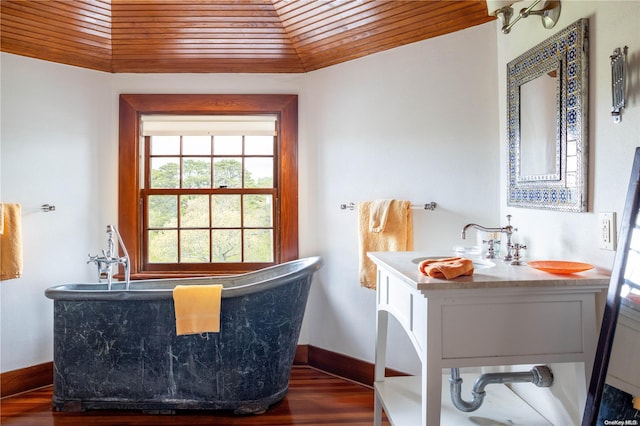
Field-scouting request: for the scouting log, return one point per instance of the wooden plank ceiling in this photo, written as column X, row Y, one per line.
column 217, row 36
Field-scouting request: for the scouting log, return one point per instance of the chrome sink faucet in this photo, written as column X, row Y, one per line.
column 508, row 230
column 109, row 258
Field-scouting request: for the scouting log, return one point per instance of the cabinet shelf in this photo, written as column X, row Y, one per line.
column 401, row 400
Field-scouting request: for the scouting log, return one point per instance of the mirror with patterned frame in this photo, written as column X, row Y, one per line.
column 547, row 123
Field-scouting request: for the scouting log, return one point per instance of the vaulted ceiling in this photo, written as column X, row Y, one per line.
column 216, row 36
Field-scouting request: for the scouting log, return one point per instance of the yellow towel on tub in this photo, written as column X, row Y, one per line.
column 397, row 234
column 11, row 242
column 197, row 308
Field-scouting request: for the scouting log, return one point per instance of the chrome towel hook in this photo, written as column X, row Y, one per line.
column 350, row 206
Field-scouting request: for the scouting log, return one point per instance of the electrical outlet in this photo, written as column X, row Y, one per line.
column 607, row 230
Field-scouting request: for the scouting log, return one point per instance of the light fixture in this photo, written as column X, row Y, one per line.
column 549, row 13
column 618, row 71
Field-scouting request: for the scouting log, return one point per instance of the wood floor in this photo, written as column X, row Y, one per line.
column 314, row 398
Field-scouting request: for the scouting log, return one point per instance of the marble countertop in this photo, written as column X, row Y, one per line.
column 404, row 264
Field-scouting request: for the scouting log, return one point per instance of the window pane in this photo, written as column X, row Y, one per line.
column 257, row 210
column 163, row 246
column 258, row 245
column 165, row 172
column 163, row 211
column 258, row 172
column 196, row 172
column 226, row 245
column 165, row 145
column 196, row 145
column 194, row 211
column 194, row 246
column 225, row 211
column 258, row 145
column 227, row 145
column 227, row 173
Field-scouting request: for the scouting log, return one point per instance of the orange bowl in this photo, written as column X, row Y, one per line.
column 560, row 266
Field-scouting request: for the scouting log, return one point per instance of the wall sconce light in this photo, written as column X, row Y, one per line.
column 549, row 13
column 618, row 71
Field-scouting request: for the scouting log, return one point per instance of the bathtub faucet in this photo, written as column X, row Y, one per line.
column 508, row 230
column 109, row 258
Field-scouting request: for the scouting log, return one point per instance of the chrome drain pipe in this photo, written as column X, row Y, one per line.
column 539, row 375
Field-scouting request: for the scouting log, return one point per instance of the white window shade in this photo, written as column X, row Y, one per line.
column 195, row 125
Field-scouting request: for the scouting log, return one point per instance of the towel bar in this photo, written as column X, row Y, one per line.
column 428, row 206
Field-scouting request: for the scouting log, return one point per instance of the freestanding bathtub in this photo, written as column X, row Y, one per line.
column 118, row 349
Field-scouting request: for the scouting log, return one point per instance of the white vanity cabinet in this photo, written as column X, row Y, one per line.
column 502, row 315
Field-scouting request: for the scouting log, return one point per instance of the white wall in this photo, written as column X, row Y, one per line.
column 574, row 236
column 54, row 121
column 396, row 124
column 59, row 145
column 419, row 123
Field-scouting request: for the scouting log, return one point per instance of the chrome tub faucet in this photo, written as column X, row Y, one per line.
column 508, row 230
column 109, row 259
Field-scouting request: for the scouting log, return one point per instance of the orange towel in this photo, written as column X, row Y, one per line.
column 448, row 268
column 197, row 308
column 11, row 242
column 396, row 236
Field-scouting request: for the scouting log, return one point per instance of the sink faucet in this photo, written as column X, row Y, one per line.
column 109, row 258
column 508, row 230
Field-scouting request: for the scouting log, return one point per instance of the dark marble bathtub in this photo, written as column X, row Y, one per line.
column 118, row 349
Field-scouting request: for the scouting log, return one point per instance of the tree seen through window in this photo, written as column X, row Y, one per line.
column 209, row 208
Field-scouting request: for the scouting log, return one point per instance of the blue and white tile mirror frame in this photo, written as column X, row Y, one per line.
column 548, row 155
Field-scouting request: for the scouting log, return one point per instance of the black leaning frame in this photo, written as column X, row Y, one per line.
column 612, row 308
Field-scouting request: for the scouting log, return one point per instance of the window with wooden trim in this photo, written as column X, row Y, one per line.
column 208, row 183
